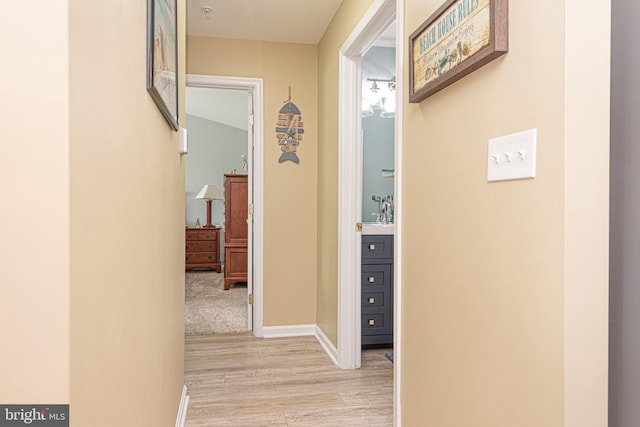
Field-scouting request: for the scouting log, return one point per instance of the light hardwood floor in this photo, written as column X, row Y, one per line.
column 240, row 380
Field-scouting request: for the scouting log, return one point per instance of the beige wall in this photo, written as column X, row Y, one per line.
column 289, row 190
column 92, row 283
column 34, row 217
column 344, row 22
column 127, row 227
column 490, row 269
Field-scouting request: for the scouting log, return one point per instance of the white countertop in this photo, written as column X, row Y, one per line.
column 371, row 228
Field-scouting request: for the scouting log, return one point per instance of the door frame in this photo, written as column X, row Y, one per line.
column 255, row 184
column 379, row 16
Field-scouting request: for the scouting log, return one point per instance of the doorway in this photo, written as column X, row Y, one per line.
column 375, row 22
column 254, row 171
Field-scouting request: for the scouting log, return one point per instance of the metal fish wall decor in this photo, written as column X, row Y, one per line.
column 289, row 130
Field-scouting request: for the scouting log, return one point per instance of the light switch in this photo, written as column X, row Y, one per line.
column 512, row 156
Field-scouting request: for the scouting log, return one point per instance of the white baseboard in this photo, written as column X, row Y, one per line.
column 181, row 419
column 303, row 331
column 328, row 346
column 288, row 331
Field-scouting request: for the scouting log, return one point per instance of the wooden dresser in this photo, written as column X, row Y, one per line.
column 202, row 248
column 236, row 202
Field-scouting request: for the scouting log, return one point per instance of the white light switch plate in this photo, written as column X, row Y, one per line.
column 183, row 147
column 512, row 156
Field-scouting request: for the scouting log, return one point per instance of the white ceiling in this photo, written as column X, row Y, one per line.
column 295, row 21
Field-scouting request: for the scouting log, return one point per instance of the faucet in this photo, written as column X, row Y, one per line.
column 385, row 209
column 379, row 214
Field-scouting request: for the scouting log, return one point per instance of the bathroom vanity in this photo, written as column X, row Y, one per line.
column 377, row 285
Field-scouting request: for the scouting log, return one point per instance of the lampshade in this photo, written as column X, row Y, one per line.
column 210, row 192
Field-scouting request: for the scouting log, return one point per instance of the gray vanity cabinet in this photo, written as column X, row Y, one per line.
column 377, row 290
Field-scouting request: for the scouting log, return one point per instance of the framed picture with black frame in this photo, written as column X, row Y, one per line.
column 162, row 57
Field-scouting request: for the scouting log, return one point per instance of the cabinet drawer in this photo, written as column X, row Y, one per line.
column 376, row 247
column 200, row 257
column 201, row 246
column 372, row 300
column 191, row 235
column 375, row 275
column 376, row 323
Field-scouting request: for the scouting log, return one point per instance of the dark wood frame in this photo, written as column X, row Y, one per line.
column 162, row 37
column 498, row 45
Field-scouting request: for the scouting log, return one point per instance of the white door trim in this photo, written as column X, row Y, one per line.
column 401, row 47
column 376, row 20
column 379, row 16
column 256, row 178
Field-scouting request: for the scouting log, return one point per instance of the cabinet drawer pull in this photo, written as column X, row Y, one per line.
column 372, row 322
column 372, row 279
column 372, row 300
column 372, row 247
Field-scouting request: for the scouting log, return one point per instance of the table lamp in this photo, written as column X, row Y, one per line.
column 209, row 193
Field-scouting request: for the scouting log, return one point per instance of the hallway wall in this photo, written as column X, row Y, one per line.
column 92, row 285
column 505, row 284
column 290, row 213
column 127, row 225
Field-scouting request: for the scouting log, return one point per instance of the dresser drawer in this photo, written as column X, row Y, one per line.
column 207, row 235
column 377, row 247
column 201, row 246
column 191, row 235
column 200, row 258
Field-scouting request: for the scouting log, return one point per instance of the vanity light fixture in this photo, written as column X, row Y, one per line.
column 380, row 98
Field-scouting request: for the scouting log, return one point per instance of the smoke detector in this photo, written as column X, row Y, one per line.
column 206, row 11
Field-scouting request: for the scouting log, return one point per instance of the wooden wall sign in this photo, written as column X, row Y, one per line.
column 460, row 37
column 289, row 130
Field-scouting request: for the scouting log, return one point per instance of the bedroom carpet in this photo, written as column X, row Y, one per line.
column 209, row 309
